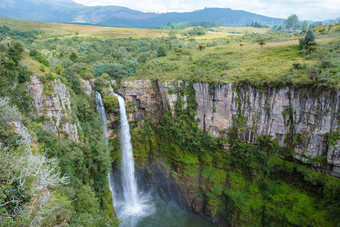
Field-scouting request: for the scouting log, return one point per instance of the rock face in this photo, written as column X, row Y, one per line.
column 20, row 128
column 52, row 100
column 142, row 98
column 298, row 118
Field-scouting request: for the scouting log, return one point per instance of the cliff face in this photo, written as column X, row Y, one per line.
column 296, row 117
column 52, row 100
column 299, row 118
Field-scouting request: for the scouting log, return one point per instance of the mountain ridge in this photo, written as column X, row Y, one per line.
column 67, row 11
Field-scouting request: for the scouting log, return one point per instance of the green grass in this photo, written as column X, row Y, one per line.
column 223, row 60
column 227, row 64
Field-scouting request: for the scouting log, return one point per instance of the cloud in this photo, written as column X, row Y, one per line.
column 305, row 9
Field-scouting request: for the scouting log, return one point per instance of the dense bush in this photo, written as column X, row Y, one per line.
column 111, row 103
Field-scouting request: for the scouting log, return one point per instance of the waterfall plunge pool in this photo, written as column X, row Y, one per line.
column 162, row 214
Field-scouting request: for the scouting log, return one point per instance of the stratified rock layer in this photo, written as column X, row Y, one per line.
column 52, row 100
column 305, row 116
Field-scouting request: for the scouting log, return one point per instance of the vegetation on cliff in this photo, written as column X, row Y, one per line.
column 57, row 181
column 243, row 184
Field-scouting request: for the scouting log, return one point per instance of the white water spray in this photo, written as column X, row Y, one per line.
column 129, row 184
column 130, row 206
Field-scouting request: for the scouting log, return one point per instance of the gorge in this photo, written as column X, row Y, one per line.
column 126, row 127
column 277, row 112
column 171, row 120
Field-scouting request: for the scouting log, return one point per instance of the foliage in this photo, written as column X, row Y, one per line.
column 292, row 22
column 14, row 77
column 258, row 25
column 308, row 42
column 39, row 57
column 188, row 24
column 115, row 70
column 111, row 103
column 161, row 52
column 73, row 57
column 27, row 192
column 196, row 31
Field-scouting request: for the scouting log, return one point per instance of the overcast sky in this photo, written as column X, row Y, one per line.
column 305, row 9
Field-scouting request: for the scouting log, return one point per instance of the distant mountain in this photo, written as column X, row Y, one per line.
column 67, row 11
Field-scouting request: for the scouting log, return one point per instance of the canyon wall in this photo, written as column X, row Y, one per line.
column 303, row 119
column 53, row 102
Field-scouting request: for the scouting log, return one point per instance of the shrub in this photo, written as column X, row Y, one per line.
column 111, row 103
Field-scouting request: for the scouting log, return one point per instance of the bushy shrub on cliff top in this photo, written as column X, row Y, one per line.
column 111, row 103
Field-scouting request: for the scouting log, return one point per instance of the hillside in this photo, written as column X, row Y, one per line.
column 67, row 11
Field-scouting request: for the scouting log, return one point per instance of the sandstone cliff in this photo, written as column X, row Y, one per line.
column 53, row 101
column 300, row 118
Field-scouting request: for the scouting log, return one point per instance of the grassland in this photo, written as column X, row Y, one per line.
column 274, row 64
column 229, row 54
column 58, row 30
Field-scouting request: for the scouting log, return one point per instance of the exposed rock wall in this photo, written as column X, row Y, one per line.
column 296, row 117
column 52, row 100
column 299, row 118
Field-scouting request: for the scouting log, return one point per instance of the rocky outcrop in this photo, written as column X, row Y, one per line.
column 52, row 101
column 20, row 128
column 142, row 98
column 297, row 117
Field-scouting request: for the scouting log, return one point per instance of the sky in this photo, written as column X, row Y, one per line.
column 305, row 9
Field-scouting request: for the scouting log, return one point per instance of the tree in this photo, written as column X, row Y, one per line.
column 115, row 70
column 308, row 43
column 197, row 31
column 161, row 52
column 131, row 66
column 261, row 43
column 304, row 25
column 292, row 22
column 111, row 103
column 73, row 57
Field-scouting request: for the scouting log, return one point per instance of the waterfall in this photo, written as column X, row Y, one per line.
column 132, row 207
column 101, row 111
column 128, row 204
column 129, row 184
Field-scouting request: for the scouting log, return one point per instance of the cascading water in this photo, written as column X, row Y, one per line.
column 132, row 207
column 129, row 184
column 101, row 111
